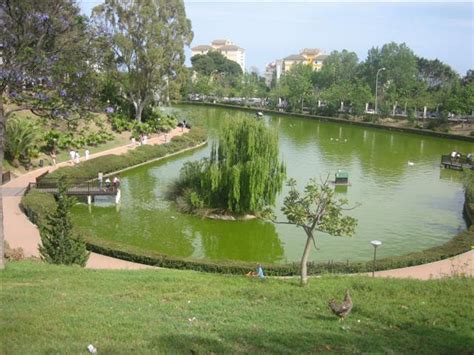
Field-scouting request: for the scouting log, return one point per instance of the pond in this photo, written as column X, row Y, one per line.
column 409, row 207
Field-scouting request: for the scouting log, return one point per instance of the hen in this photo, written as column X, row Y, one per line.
column 343, row 309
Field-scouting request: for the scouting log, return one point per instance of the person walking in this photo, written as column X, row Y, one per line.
column 77, row 158
column 87, row 154
column 53, row 156
column 100, row 178
column 72, row 154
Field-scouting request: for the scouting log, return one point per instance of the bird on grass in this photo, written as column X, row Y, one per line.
column 341, row 310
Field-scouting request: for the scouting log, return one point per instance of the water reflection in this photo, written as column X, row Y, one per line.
column 258, row 241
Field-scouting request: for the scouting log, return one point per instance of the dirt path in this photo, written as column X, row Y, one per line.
column 20, row 232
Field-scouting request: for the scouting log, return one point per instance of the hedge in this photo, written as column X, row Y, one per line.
column 106, row 164
column 459, row 244
column 36, row 205
column 39, row 203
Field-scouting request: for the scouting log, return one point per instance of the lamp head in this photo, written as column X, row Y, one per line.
column 376, row 243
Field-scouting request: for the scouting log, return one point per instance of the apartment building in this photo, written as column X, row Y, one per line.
column 309, row 56
column 227, row 48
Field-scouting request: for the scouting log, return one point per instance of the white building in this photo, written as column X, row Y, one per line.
column 226, row 48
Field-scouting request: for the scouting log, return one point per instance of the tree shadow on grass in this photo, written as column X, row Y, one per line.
column 344, row 337
column 192, row 344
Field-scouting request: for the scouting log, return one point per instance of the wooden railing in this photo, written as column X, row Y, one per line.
column 74, row 186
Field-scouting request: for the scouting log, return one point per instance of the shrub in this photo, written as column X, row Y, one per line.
column 433, row 124
column 59, row 245
column 120, row 122
column 20, row 138
column 13, row 254
column 50, row 139
column 139, row 128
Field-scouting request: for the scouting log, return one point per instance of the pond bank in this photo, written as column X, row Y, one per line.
column 340, row 120
column 335, row 269
column 19, row 232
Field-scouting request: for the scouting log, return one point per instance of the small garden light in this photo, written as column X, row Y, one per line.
column 375, row 244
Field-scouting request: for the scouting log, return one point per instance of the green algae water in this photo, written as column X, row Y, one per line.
column 409, row 207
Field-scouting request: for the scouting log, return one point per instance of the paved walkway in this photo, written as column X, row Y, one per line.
column 21, row 233
column 460, row 265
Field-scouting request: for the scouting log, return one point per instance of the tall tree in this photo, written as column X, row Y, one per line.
column 46, row 64
column 435, row 74
column 401, row 70
column 316, row 210
column 146, row 39
column 338, row 66
column 58, row 243
column 298, row 81
column 214, row 61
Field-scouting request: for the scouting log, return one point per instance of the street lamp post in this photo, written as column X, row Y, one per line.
column 377, row 87
column 375, row 244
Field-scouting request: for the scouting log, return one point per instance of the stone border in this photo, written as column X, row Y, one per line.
column 340, row 120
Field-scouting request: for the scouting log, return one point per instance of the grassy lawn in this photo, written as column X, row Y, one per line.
column 55, row 309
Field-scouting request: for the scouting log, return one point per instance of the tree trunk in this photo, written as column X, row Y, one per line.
column 304, row 259
column 2, row 139
column 139, row 106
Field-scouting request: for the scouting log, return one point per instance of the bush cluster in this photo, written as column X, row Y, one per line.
column 59, row 140
column 155, row 122
column 89, row 169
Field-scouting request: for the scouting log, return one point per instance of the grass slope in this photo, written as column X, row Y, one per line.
column 56, row 309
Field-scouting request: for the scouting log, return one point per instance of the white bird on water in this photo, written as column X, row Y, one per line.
column 410, row 163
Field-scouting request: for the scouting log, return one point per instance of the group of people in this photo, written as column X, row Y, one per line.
column 115, row 183
column 455, row 155
column 143, row 140
column 76, row 157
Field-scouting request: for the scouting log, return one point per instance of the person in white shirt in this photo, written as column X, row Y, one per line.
column 87, row 154
column 72, row 154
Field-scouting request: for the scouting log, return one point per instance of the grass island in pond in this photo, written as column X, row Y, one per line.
column 408, row 207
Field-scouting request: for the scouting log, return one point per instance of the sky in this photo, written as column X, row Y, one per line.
column 273, row 29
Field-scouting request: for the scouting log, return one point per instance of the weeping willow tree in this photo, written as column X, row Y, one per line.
column 243, row 173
